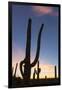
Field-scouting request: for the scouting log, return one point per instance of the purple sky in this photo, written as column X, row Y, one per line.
column 49, row 40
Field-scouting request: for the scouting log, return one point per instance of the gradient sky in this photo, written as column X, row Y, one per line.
column 49, row 40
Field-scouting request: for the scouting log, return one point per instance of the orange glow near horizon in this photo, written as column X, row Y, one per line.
column 47, row 70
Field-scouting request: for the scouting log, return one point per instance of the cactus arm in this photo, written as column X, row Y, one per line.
column 21, row 64
column 34, row 73
column 28, row 41
column 38, row 47
column 15, row 69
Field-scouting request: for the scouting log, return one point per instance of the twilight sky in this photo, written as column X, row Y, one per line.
column 49, row 40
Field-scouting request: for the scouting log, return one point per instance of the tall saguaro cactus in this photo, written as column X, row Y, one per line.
column 26, row 62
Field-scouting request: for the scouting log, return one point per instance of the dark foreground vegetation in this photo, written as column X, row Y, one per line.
column 17, row 82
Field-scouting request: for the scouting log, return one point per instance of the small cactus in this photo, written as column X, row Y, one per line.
column 55, row 72
column 34, row 73
column 45, row 77
column 15, row 69
column 37, row 72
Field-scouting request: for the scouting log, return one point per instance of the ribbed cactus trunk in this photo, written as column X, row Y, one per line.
column 27, row 65
column 27, row 69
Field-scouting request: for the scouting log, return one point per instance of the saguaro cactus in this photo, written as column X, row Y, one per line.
column 26, row 62
column 36, row 72
column 55, row 72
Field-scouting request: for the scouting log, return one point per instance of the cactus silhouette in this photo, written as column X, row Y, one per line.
column 15, row 69
column 36, row 72
column 45, row 77
column 55, row 71
column 26, row 62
